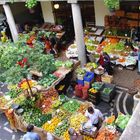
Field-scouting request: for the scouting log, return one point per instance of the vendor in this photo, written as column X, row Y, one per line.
column 53, row 49
column 94, row 116
column 104, row 61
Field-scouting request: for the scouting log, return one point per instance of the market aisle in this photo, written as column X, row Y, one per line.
column 123, row 102
column 125, row 78
column 5, row 132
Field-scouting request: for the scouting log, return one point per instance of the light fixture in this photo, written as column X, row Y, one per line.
column 56, row 6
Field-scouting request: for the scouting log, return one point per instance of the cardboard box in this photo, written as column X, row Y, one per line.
column 107, row 78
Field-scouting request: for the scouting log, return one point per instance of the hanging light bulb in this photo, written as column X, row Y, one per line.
column 56, row 6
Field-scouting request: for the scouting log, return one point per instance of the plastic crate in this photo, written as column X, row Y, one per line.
column 107, row 78
column 80, row 82
column 107, row 97
column 96, row 83
column 89, row 76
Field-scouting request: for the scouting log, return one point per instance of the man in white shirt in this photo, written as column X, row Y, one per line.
column 94, row 116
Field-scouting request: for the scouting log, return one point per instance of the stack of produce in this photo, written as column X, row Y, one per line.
column 47, row 80
column 56, row 104
column 3, row 102
column 94, row 96
column 19, row 99
column 62, row 114
column 105, row 134
column 51, row 125
column 88, row 138
column 76, row 120
column 71, row 106
column 107, row 92
column 110, row 120
column 66, row 135
column 34, row 116
column 122, row 121
column 24, row 85
column 67, row 64
column 61, row 128
column 51, row 93
column 80, row 73
column 45, row 105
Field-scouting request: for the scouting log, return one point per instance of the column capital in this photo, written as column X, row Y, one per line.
column 72, row 1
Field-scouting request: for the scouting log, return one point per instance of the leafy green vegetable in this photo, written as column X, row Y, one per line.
column 71, row 106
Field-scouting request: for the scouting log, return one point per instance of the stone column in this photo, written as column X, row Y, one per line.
column 79, row 35
column 11, row 22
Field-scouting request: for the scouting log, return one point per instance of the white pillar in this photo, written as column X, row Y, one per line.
column 47, row 11
column 11, row 22
column 79, row 35
column 100, row 11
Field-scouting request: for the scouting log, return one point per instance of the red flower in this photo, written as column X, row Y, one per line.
column 24, row 60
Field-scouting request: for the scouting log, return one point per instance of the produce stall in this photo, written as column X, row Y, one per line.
column 122, row 50
column 47, row 111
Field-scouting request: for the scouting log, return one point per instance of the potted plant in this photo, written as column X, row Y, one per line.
column 112, row 4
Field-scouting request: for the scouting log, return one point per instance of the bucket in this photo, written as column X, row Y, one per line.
column 136, row 100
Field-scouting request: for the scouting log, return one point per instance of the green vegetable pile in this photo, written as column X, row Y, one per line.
column 30, row 3
column 71, row 106
column 57, row 104
column 120, row 46
column 60, row 129
column 35, row 117
column 13, row 93
column 67, row 64
column 122, row 120
column 107, row 90
column 80, row 71
column 48, row 80
column 58, row 63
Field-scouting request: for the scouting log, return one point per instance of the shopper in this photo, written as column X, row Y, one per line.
column 107, row 64
column 74, row 136
column 95, row 117
column 30, row 135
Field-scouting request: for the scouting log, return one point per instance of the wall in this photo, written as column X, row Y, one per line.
column 47, row 11
column 100, row 12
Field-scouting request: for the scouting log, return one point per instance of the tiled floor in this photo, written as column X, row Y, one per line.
column 125, row 78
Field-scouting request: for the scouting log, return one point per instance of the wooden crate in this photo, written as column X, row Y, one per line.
column 119, row 13
column 107, row 78
column 132, row 15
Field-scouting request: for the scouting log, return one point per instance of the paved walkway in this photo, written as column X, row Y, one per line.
column 125, row 78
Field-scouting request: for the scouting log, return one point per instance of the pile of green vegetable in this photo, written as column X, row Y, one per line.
column 107, row 91
column 47, row 80
column 34, row 116
column 60, row 129
column 71, row 106
column 80, row 71
column 122, row 121
column 13, row 93
column 67, row 64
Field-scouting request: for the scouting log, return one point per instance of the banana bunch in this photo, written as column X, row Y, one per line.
column 66, row 136
column 76, row 121
column 50, row 126
column 93, row 90
column 88, row 138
